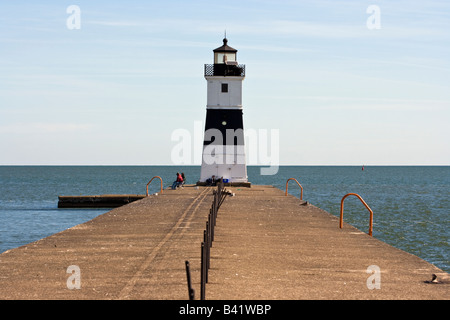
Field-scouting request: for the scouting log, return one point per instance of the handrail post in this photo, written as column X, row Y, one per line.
column 202, row 272
column 341, row 218
column 152, row 180
column 189, row 283
column 301, row 188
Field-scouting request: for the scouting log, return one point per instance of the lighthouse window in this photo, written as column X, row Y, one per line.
column 224, row 87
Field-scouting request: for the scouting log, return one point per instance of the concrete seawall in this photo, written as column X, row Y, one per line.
column 267, row 246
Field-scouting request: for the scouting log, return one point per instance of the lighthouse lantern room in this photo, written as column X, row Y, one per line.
column 223, row 143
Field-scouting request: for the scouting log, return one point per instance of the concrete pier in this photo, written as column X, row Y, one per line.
column 267, row 246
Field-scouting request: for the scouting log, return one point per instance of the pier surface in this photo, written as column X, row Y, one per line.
column 267, row 246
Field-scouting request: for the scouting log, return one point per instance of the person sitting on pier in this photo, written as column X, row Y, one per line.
column 177, row 182
column 183, row 177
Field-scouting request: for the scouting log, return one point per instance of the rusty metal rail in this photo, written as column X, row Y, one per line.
column 341, row 219
column 151, row 181
column 301, row 188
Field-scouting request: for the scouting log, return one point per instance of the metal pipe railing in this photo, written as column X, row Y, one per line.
column 341, row 219
column 301, row 188
column 151, row 181
column 191, row 291
column 208, row 236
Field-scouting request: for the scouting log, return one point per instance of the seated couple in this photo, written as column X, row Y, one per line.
column 179, row 182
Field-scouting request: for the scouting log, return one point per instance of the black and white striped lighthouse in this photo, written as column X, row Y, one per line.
column 223, row 144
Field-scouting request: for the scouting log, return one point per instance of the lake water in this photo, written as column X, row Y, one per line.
column 410, row 203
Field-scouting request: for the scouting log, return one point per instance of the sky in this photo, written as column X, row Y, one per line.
column 327, row 82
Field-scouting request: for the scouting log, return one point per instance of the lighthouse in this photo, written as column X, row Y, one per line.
column 223, row 143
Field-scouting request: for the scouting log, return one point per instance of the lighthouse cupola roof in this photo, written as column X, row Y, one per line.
column 225, row 47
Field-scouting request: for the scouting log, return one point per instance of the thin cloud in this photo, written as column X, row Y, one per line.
column 296, row 28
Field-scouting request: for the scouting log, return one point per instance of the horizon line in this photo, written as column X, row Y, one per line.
column 199, row 165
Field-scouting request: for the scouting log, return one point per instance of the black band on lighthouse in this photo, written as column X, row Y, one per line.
column 221, row 120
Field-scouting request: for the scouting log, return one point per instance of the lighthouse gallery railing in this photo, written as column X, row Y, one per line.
column 225, row 70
